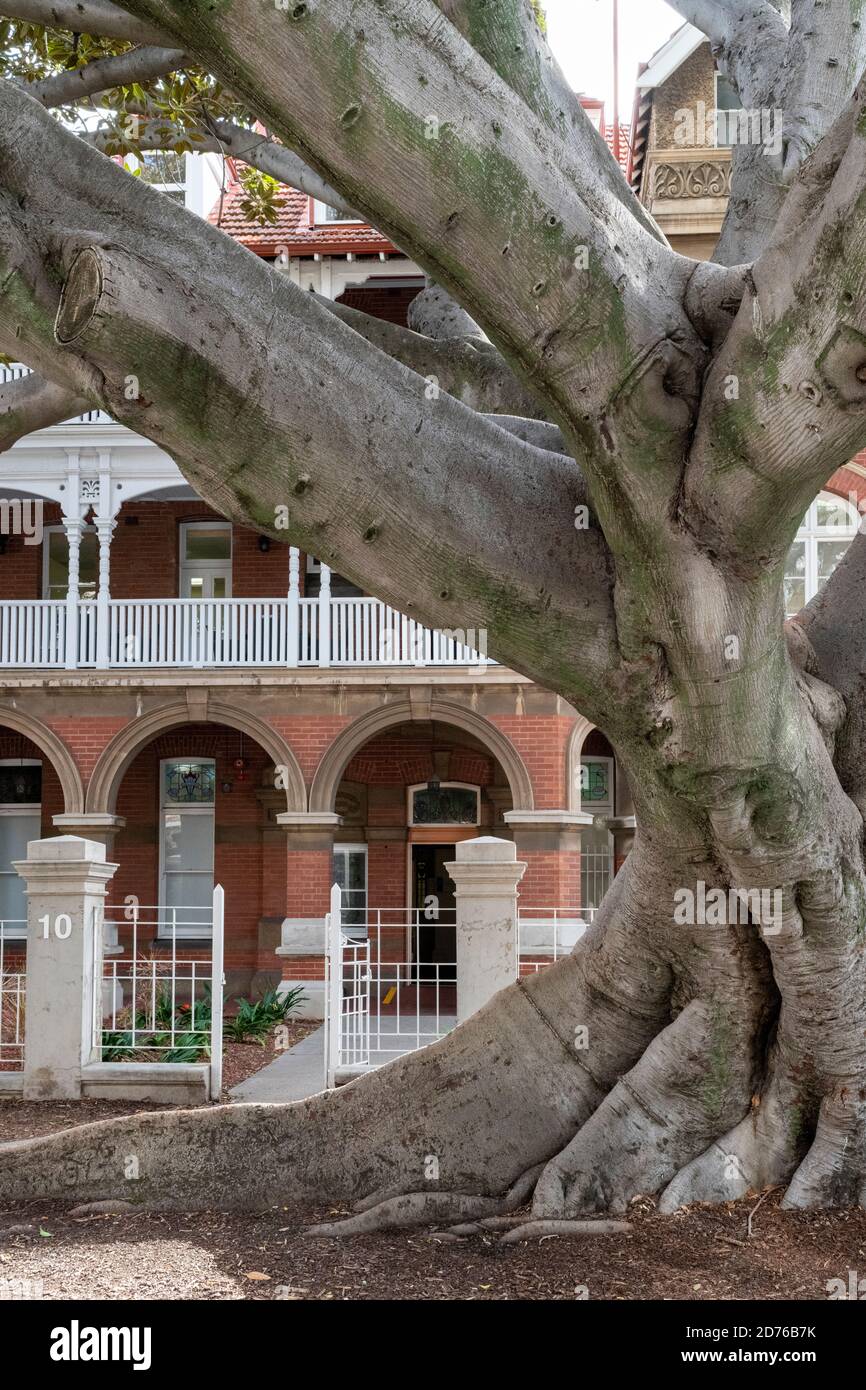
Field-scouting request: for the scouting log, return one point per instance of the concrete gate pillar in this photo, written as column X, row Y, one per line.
column 66, row 882
column 486, row 873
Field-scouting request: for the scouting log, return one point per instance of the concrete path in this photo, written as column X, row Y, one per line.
column 300, row 1072
column 297, row 1073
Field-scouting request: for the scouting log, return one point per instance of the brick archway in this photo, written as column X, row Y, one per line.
column 116, row 757
column 55, row 751
column 335, row 761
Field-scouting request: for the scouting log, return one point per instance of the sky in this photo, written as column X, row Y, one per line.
column 581, row 35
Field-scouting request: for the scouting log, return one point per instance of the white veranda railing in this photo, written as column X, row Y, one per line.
column 228, row 632
column 162, row 999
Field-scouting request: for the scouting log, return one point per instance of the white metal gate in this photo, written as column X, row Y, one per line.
column 382, row 1000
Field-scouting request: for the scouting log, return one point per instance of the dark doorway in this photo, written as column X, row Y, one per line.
column 433, row 900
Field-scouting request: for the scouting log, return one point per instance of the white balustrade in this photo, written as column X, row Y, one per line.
column 235, row 632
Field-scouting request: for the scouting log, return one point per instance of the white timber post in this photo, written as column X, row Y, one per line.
column 66, row 881
column 293, row 634
column 325, row 617
column 104, row 530
column 72, row 527
column 486, row 873
column 333, row 985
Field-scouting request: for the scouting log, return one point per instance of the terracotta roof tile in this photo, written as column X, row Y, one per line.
column 296, row 230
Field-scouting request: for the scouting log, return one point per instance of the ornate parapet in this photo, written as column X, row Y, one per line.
column 688, row 189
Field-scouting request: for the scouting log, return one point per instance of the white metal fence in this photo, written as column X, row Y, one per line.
column 158, row 1003
column 386, row 997
column 13, row 994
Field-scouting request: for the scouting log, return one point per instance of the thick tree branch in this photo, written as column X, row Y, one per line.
column 32, row 403
column 491, row 202
column 747, row 37
column 469, row 369
column 824, row 61
column 402, row 492
column 84, row 17
column 506, row 34
column 835, row 626
column 137, row 65
column 785, row 402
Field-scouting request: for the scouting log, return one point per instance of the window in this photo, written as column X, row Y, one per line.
column 55, row 563
column 162, row 169
column 728, row 108
column 828, row 529
column 20, row 822
column 206, row 559
column 350, row 875
column 451, row 803
column 597, row 793
column 323, row 214
column 596, row 784
column 186, row 846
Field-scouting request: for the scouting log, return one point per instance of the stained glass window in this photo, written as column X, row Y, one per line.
column 445, row 805
column 189, row 783
column 594, row 781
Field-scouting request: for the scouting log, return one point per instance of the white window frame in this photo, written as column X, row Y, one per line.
column 190, row 808
column 341, row 848
column 210, row 567
column 21, row 808
column 131, row 162
column 810, row 534
column 58, row 530
column 321, row 218
column 443, row 825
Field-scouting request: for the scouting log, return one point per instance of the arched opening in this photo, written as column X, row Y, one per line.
column 118, row 754
column 200, row 805
column 30, row 795
column 598, row 788
column 407, row 796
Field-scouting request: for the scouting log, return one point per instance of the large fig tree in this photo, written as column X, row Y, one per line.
column 693, row 409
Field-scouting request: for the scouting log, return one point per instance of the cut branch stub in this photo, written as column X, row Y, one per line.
column 81, row 296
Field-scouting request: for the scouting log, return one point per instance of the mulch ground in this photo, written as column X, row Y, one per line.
column 702, row 1254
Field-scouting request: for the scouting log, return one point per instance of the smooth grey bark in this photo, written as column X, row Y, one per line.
column 84, row 16
column 137, row 65
column 31, row 403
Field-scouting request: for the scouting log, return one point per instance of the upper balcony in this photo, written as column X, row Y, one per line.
column 109, row 561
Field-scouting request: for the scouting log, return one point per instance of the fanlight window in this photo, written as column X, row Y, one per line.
column 828, row 529
column 188, row 783
column 446, row 803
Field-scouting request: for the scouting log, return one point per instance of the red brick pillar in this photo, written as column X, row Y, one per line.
column 549, row 844
column 309, row 867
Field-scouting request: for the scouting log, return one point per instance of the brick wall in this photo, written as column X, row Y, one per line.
column 145, row 555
